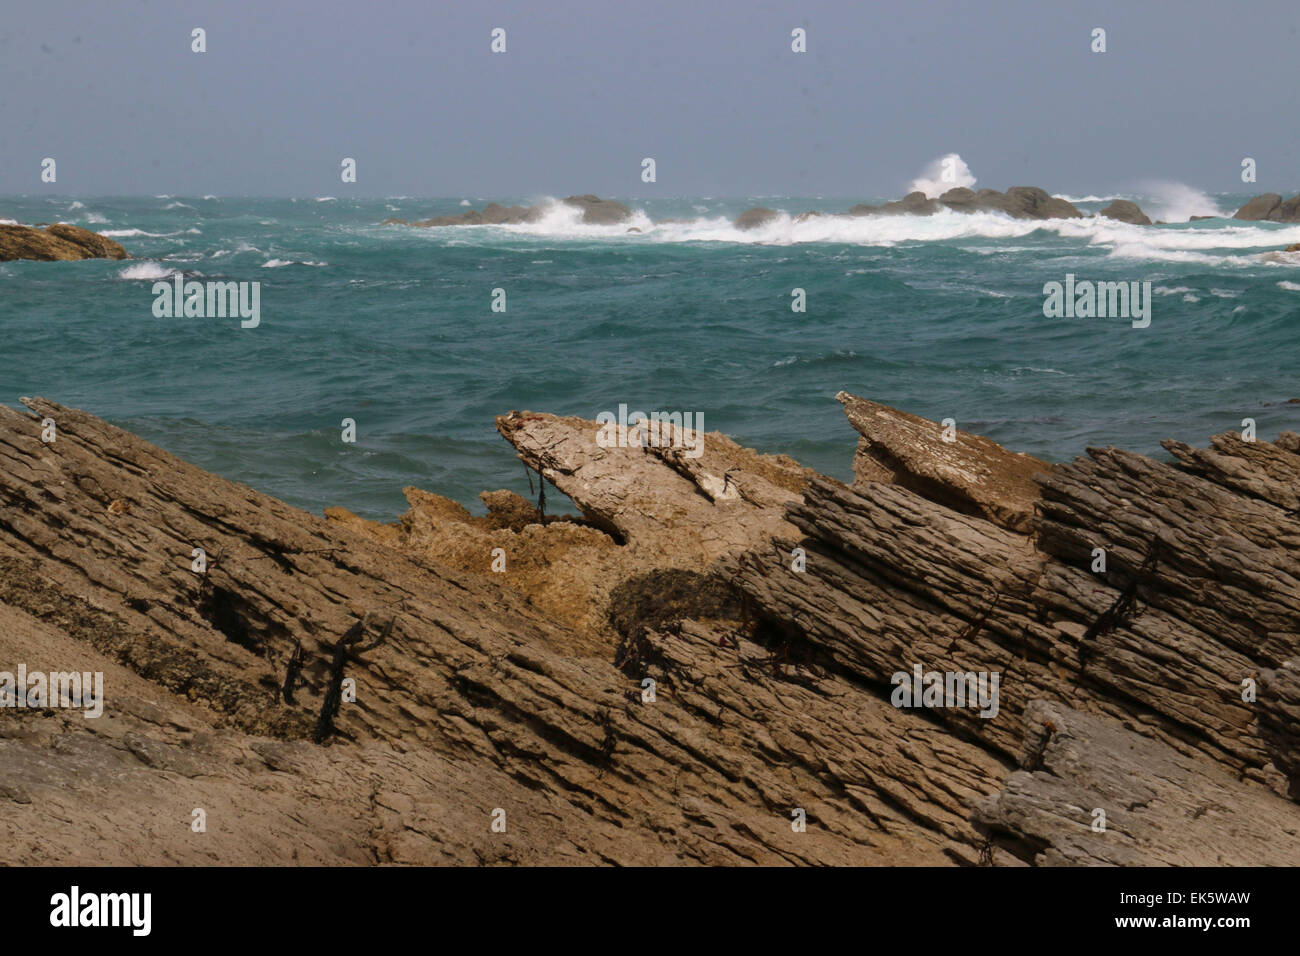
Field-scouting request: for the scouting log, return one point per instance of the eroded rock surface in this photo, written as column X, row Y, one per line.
column 971, row 473
column 708, row 651
column 57, row 242
column 1090, row 793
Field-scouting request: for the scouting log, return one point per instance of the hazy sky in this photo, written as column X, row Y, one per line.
column 709, row 88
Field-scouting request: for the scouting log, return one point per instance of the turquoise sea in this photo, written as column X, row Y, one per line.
column 393, row 327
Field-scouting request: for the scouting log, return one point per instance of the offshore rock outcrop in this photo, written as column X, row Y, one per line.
column 595, row 211
column 1270, row 207
column 771, row 608
column 1125, row 211
column 1018, row 202
column 59, row 242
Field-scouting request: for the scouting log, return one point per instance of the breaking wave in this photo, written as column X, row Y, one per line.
column 932, row 181
column 146, row 270
column 1176, row 202
column 1209, row 243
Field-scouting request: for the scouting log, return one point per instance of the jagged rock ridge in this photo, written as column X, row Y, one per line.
column 1121, row 690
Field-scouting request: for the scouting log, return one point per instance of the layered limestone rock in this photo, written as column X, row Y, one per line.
column 1148, row 593
column 1090, row 793
column 970, row 473
column 467, row 699
column 655, row 517
column 705, row 658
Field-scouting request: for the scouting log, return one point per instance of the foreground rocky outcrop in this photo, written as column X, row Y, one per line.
column 705, row 656
column 1092, row 794
column 969, row 473
column 56, row 243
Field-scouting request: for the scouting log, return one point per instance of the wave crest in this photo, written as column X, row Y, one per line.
column 932, row 181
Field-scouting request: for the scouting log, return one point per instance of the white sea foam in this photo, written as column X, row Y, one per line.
column 95, row 218
column 77, row 204
column 280, row 263
column 177, row 205
column 1088, row 198
column 146, row 270
column 121, row 233
column 1289, row 286
column 932, row 181
column 1203, row 244
column 1176, row 202
column 327, row 199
